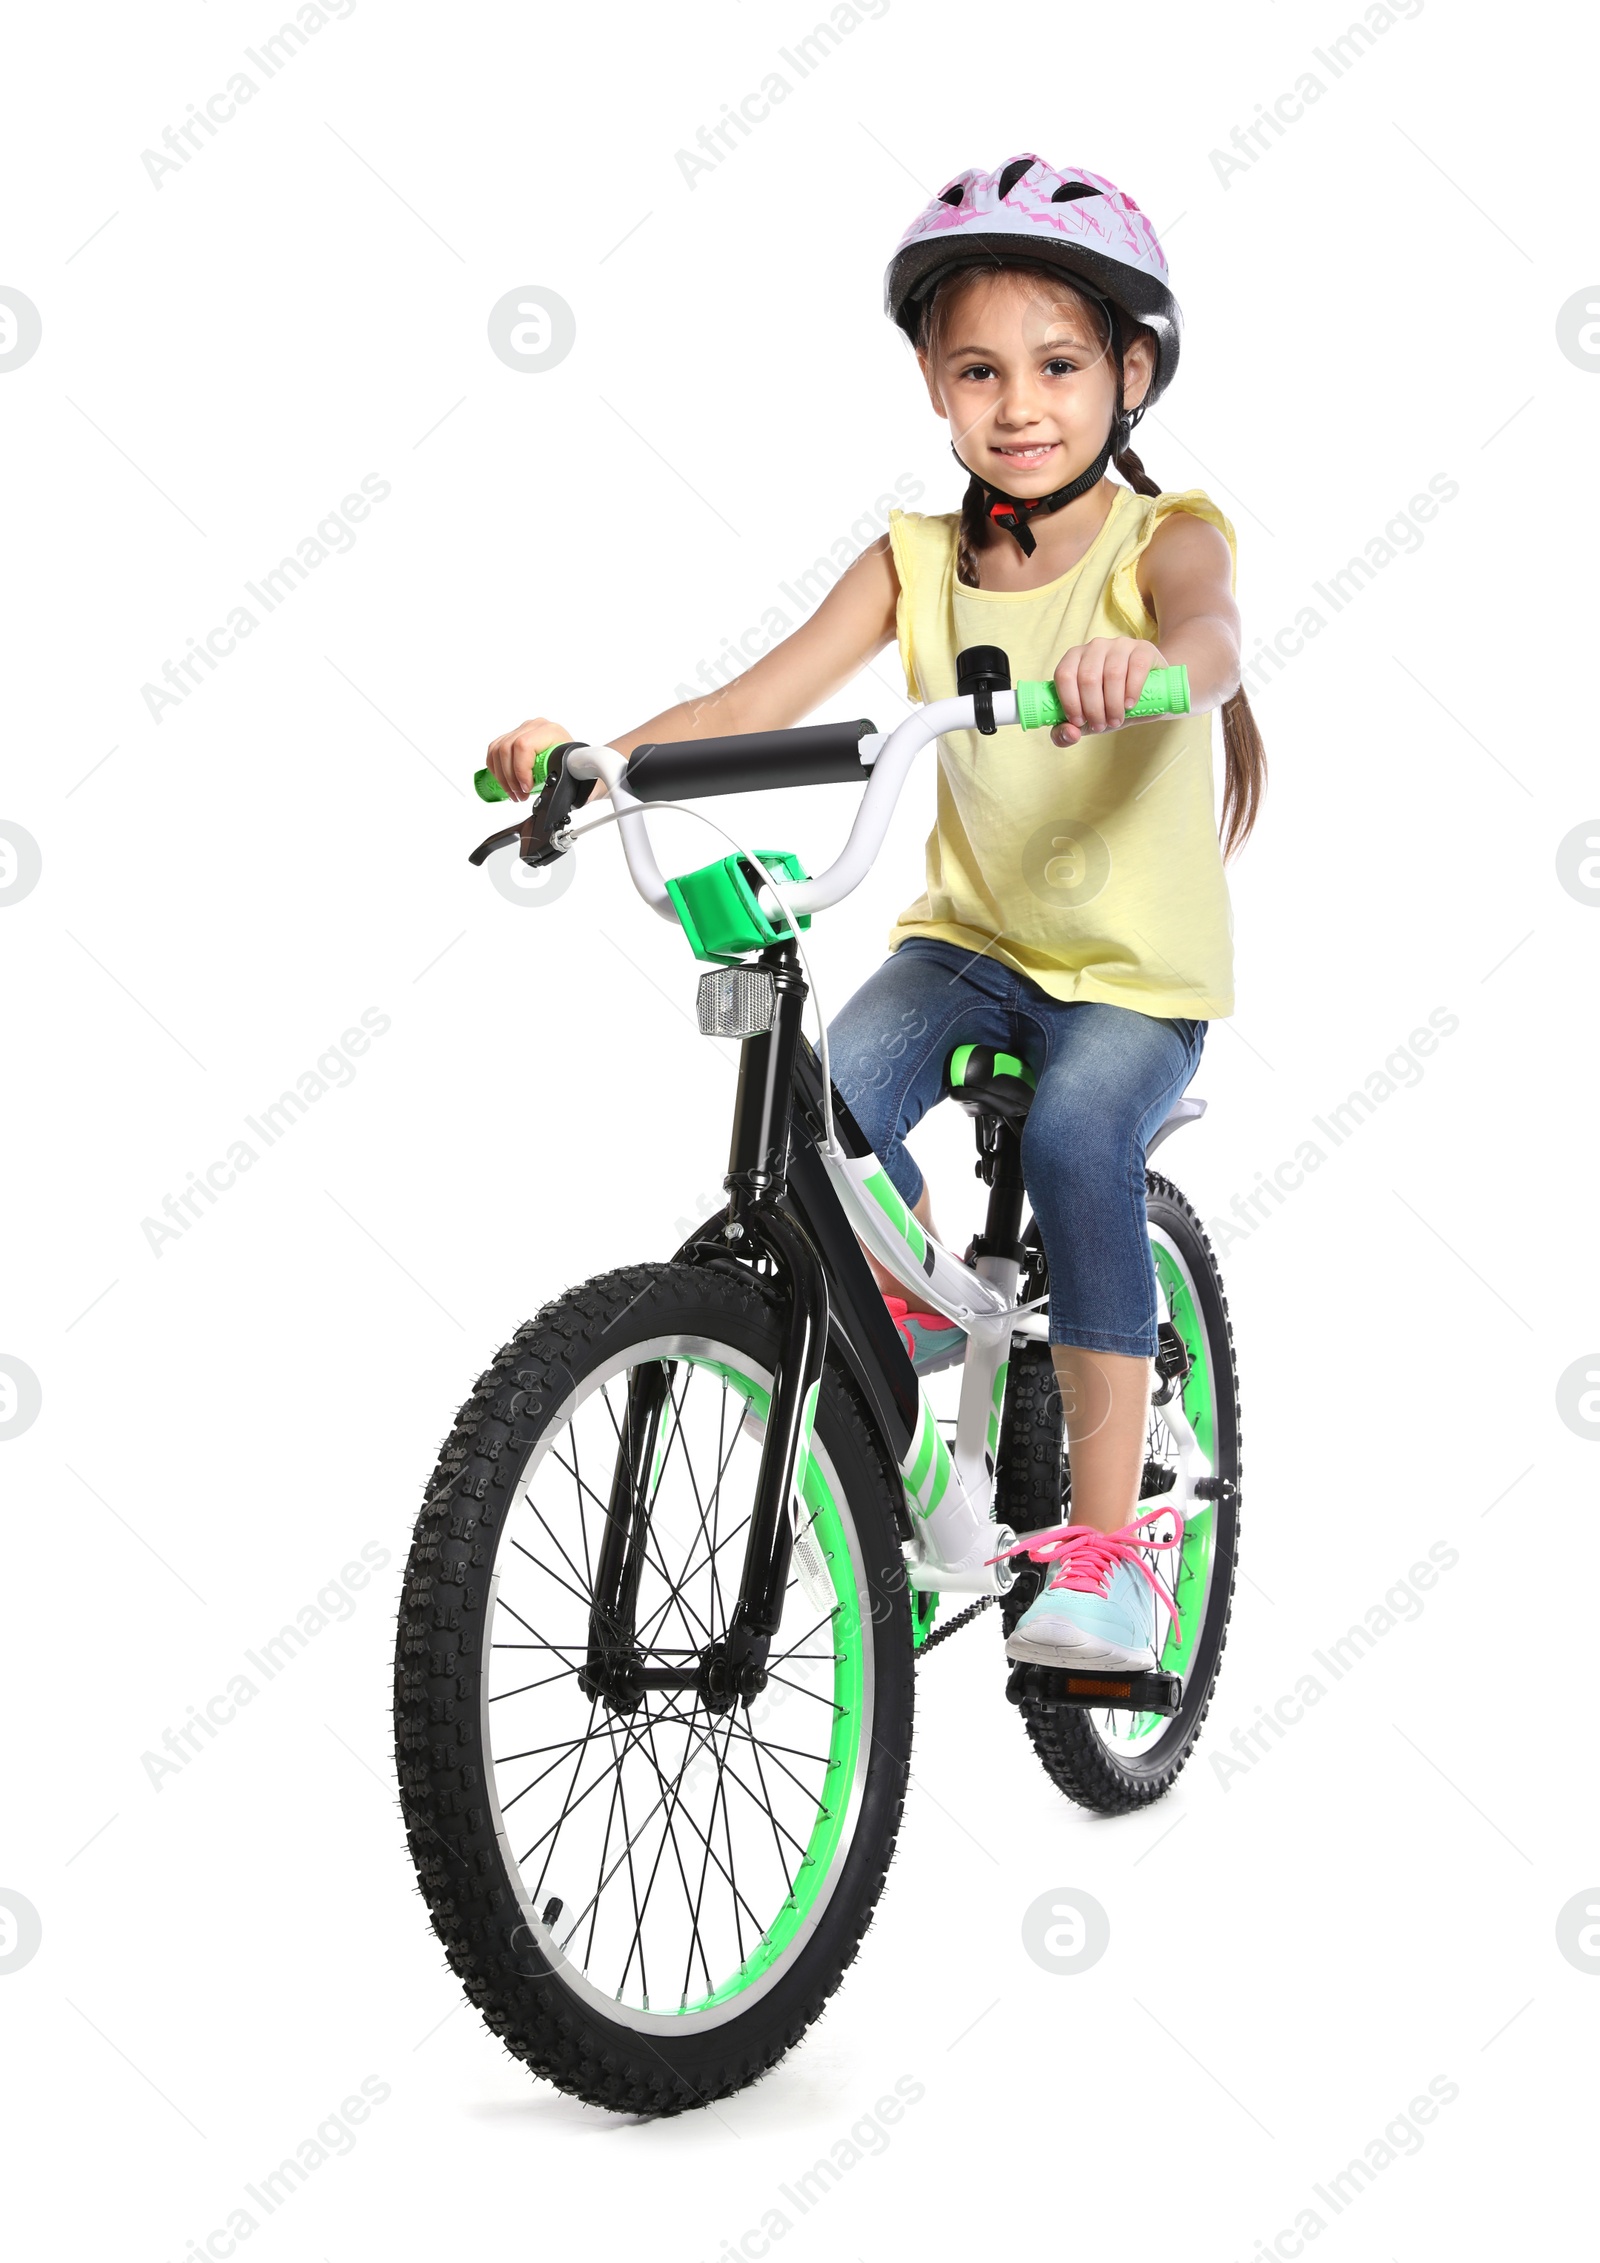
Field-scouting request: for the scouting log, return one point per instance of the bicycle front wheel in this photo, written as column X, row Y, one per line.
column 648, row 1895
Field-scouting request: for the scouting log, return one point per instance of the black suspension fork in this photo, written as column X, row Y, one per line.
column 758, row 1224
column 620, row 1559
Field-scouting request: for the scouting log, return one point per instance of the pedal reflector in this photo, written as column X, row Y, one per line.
column 1131, row 1693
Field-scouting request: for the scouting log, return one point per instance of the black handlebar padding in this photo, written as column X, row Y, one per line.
column 817, row 754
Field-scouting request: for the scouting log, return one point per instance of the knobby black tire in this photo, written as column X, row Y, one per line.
column 443, row 1768
column 1033, row 1489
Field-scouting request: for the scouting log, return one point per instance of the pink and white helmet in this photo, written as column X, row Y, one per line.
column 1075, row 221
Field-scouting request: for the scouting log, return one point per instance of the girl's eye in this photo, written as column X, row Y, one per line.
column 978, row 369
column 1059, row 367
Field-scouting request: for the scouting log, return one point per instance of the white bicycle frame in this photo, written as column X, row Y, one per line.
column 950, row 1495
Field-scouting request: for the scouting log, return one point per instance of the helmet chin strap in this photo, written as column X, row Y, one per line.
column 1014, row 511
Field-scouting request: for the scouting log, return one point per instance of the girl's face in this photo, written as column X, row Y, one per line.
column 1023, row 372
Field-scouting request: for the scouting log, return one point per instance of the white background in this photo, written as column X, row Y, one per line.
column 1297, row 1948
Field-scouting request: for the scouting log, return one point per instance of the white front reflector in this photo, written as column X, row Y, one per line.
column 736, row 1001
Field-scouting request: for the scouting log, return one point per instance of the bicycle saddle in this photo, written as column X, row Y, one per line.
column 990, row 1083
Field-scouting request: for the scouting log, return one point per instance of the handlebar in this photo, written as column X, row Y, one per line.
column 813, row 754
column 817, row 754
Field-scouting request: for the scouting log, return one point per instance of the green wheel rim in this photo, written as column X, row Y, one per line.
column 1199, row 1404
column 1192, row 1585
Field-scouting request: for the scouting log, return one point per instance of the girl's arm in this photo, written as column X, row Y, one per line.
column 1185, row 578
column 852, row 624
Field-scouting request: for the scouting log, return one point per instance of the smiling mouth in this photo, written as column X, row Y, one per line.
column 1027, row 458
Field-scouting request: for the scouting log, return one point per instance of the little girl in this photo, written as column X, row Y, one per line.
column 1075, row 911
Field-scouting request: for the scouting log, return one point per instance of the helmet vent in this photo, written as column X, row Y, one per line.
column 954, row 193
column 1070, row 191
column 1012, row 175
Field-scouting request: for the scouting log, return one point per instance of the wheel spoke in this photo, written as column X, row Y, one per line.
column 652, row 1555
column 811, row 1693
column 586, row 1600
column 733, row 1534
column 669, row 1833
column 534, row 1782
column 586, row 1579
column 678, row 1438
column 821, row 1759
column 777, row 1842
column 706, row 1742
column 522, row 1689
column 583, row 1521
column 539, row 1642
column 594, row 1704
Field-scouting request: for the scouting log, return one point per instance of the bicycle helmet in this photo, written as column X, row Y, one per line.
column 1076, row 224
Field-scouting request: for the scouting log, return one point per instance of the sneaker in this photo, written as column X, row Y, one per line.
column 931, row 1341
column 1099, row 1609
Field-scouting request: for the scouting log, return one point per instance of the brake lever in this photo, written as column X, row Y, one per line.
column 540, row 831
column 495, row 841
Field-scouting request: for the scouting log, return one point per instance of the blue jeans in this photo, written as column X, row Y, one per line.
column 1107, row 1076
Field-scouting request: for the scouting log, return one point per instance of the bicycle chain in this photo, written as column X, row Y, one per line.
column 944, row 1633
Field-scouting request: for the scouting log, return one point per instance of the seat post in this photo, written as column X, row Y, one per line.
column 1000, row 1162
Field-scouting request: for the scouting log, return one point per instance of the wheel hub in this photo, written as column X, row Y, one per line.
column 727, row 1673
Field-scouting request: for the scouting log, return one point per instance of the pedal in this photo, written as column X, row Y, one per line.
column 1152, row 1692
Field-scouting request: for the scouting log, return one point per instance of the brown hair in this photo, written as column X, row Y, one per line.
column 1244, row 756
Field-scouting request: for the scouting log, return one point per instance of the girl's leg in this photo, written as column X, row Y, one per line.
column 1111, row 1077
column 1105, row 1399
column 888, row 1048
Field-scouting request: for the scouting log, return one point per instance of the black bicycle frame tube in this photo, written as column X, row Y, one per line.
column 861, row 1324
column 861, row 1327
column 759, row 1152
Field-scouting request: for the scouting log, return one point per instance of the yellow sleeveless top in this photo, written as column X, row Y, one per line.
column 1093, row 869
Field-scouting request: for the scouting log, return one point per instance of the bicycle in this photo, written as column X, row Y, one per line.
column 685, row 1545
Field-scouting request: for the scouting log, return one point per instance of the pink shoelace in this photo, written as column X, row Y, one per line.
column 1085, row 1559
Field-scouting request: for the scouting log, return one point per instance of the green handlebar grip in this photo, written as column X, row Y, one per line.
column 490, row 789
column 1166, row 692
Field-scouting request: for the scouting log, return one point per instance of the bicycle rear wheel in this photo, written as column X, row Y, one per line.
column 1117, row 1761
column 648, row 1897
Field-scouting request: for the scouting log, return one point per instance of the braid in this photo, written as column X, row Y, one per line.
column 970, row 534
column 1244, row 758
column 1134, row 473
